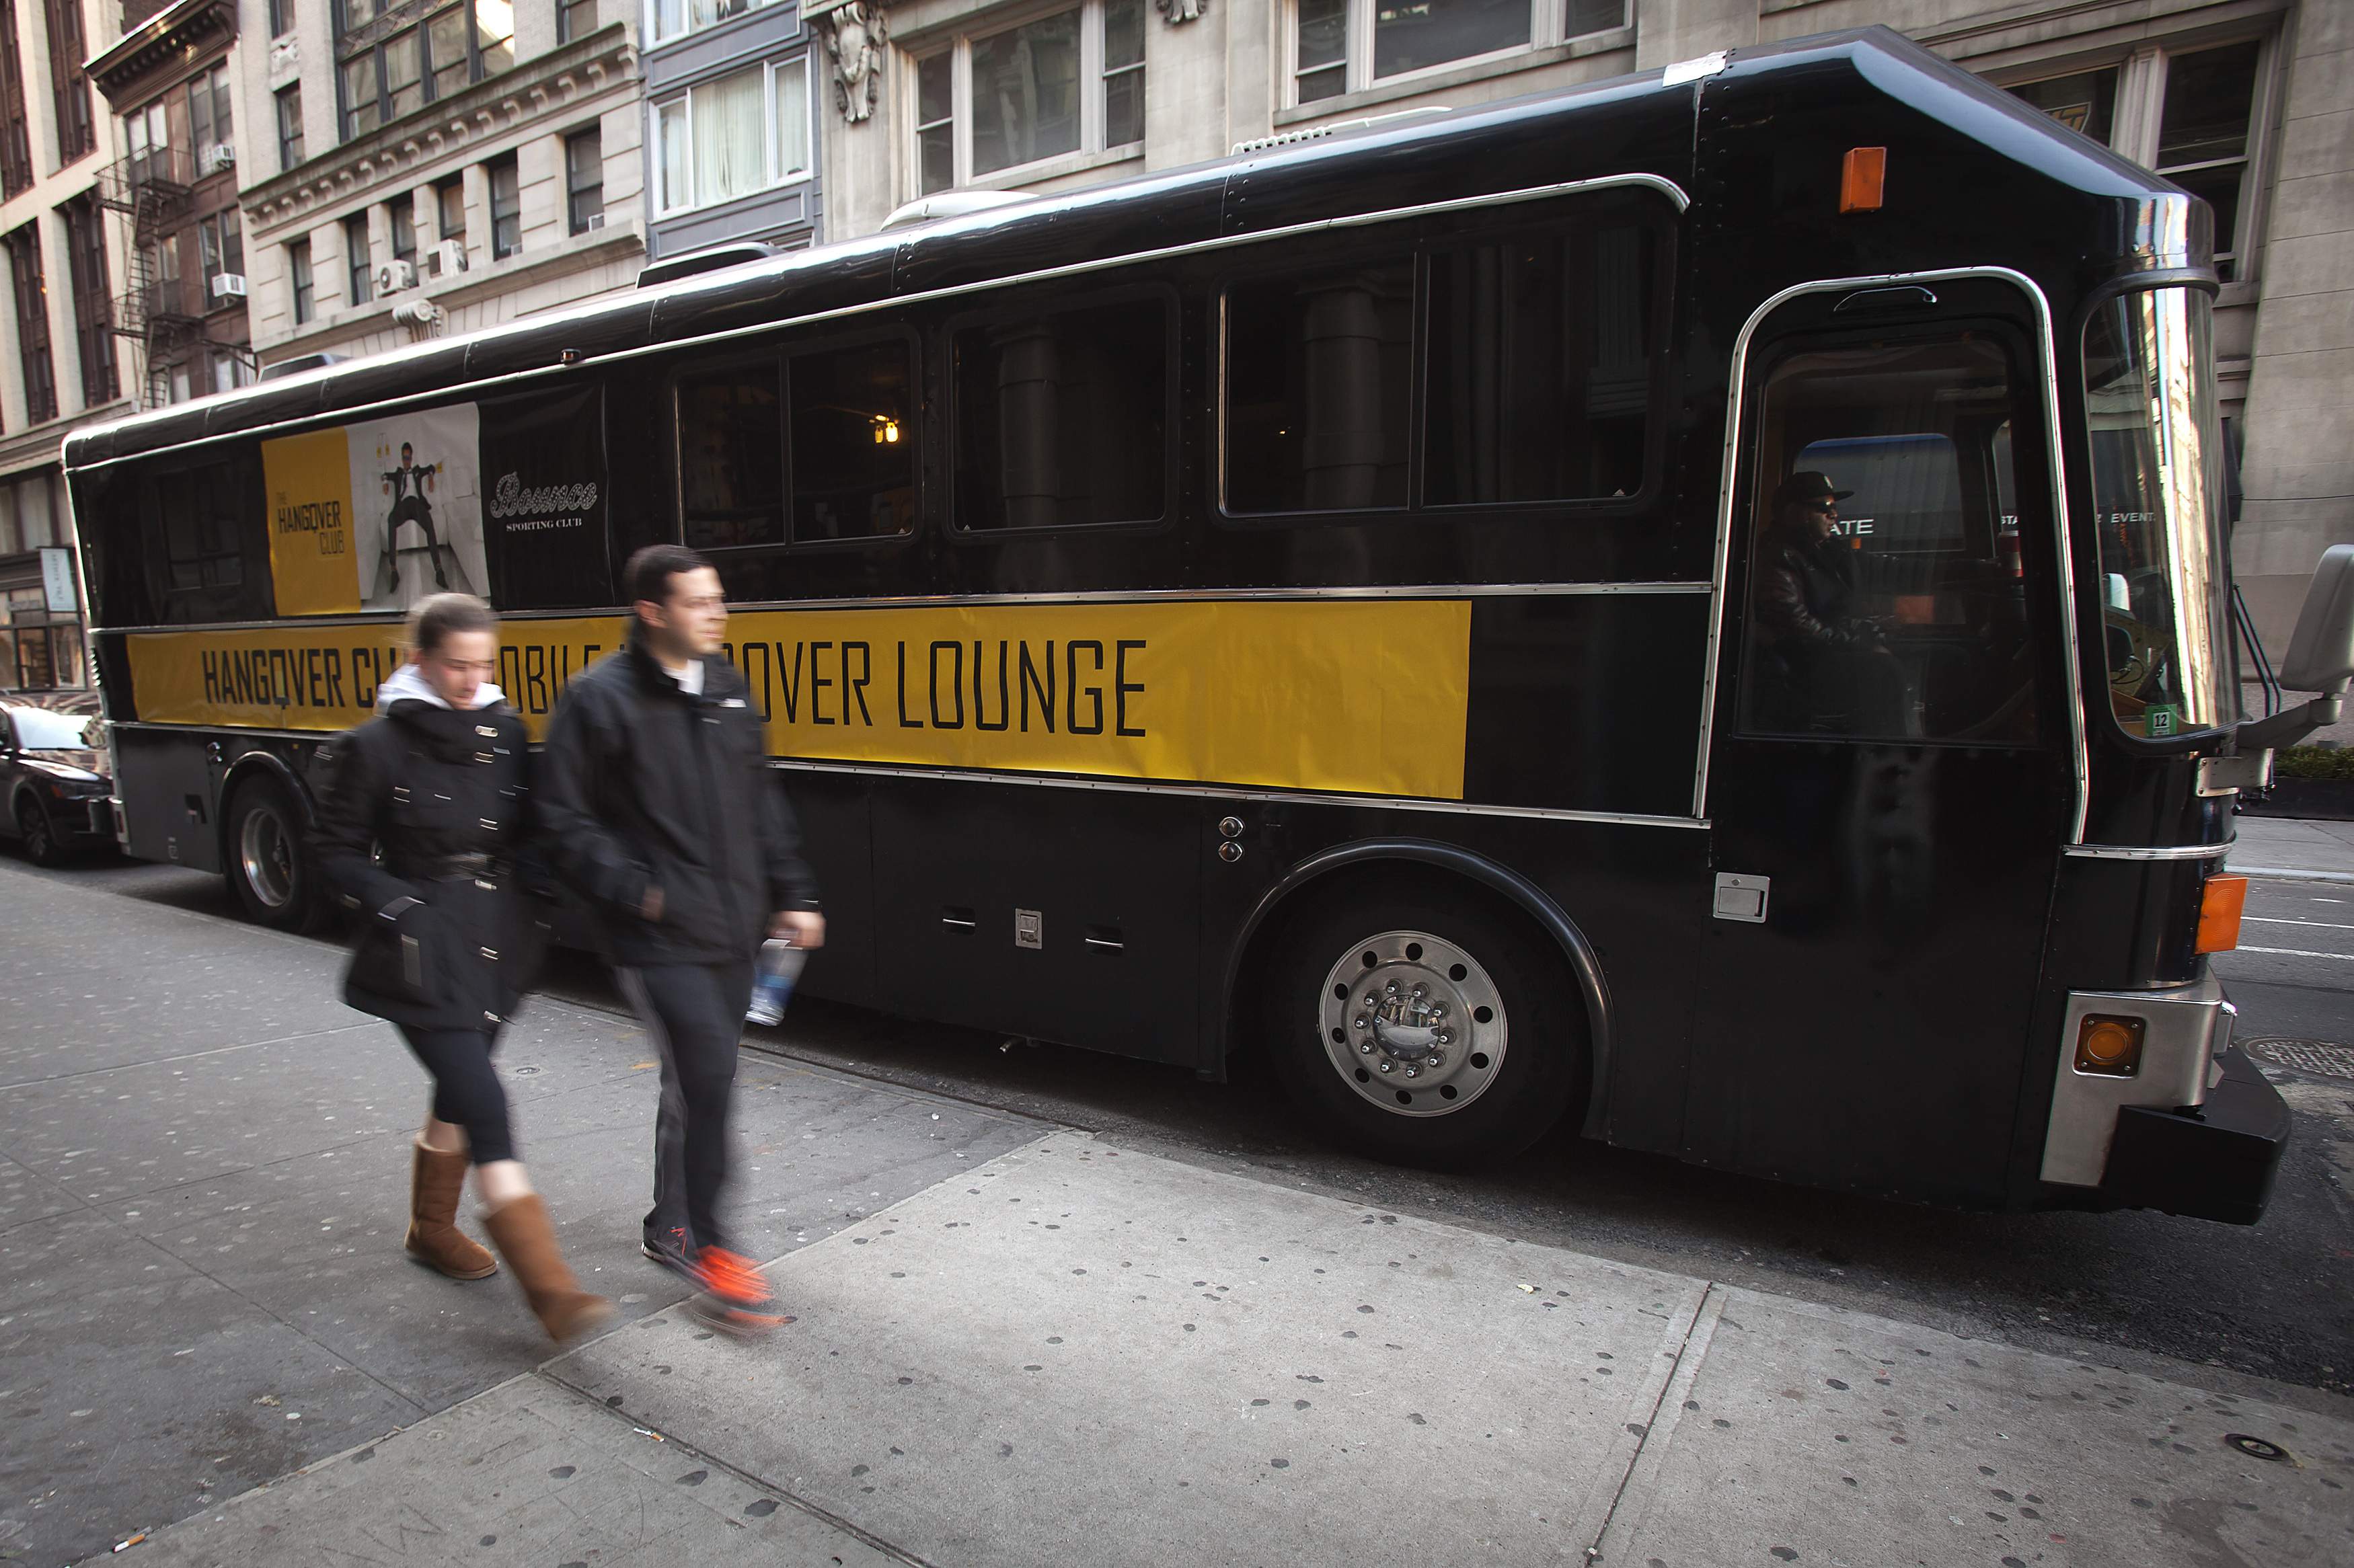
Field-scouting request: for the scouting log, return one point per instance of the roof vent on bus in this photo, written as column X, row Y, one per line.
column 297, row 364
column 949, row 204
column 707, row 259
column 1316, row 133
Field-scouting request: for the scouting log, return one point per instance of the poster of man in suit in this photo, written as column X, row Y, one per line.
column 417, row 494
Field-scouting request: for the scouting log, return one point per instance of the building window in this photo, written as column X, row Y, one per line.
column 401, row 212
column 728, row 138
column 211, row 121
column 676, row 18
column 24, row 248
column 2204, row 139
column 1331, row 55
column 584, row 181
column 357, row 271
column 575, row 20
column 298, row 271
column 230, row 370
column 290, row 126
column 77, row 136
column 220, row 245
column 148, row 132
column 281, row 18
column 506, row 208
column 1069, row 82
column 393, row 58
column 449, row 200
column 93, row 308
column 16, row 126
column 157, row 277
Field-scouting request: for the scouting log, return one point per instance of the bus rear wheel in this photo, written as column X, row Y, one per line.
column 267, row 864
column 1424, row 1027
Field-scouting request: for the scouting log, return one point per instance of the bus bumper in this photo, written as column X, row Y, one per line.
column 2193, row 1128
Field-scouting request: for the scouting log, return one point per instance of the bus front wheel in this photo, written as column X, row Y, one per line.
column 1424, row 1027
column 269, row 865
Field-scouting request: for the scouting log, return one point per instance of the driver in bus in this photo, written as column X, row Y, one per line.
column 1813, row 645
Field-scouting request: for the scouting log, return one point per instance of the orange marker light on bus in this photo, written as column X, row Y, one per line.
column 1861, row 177
column 2218, row 913
column 2109, row 1044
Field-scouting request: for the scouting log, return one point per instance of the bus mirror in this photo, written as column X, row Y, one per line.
column 2320, row 656
column 2321, row 648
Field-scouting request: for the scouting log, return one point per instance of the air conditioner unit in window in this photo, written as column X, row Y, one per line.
column 220, row 156
column 446, row 259
column 229, row 285
column 394, row 276
column 594, row 220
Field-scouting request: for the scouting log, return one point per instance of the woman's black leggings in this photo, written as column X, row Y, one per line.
column 466, row 1088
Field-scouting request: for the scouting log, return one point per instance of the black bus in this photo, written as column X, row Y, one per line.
column 1694, row 604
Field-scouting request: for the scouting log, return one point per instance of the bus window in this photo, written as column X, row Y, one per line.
column 1318, row 391
column 731, row 467
column 853, row 441
column 201, row 550
column 1884, row 596
column 1064, row 417
column 1540, row 368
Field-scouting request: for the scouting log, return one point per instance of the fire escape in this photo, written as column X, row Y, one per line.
column 151, row 190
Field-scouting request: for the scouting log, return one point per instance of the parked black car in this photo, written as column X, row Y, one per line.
column 54, row 781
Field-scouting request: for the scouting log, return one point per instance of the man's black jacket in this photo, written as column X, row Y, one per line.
column 643, row 786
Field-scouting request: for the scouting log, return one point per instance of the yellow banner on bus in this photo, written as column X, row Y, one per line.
column 312, row 558
column 1346, row 695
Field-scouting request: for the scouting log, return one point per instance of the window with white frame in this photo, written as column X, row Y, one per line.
column 733, row 136
column 1347, row 45
column 1067, row 81
column 2203, row 135
column 676, row 18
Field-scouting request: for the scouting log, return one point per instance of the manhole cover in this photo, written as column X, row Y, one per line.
column 2315, row 1056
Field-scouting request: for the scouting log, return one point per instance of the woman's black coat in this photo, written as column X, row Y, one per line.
column 448, row 939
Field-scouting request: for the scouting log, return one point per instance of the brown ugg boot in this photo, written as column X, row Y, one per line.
column 520, row 1230
column 434, row 1238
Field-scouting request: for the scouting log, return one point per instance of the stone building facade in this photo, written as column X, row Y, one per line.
column 62, row 360
column 2249, row 102
column 433, row 167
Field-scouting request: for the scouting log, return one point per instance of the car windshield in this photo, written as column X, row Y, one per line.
column 40, row 730
column 2158, row 502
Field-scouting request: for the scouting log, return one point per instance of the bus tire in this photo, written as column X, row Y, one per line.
column 1474, row 1067
column 268, row 859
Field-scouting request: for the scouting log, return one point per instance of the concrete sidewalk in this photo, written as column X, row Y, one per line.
column 1078, row 1354
column 2290, row 849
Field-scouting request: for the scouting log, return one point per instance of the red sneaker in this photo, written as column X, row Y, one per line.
column 732, row 1278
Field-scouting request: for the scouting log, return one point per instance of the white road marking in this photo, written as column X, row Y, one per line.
column 2294, row 953
column 2278, row 920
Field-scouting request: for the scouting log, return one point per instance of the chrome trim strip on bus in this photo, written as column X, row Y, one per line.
column 1659, row 182
column 1215, row 792
column 161, row 727
column 2137, row 851
column 922, row 601
column 2080, row 754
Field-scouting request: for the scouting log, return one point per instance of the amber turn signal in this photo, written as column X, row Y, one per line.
column 2109, row 1044
column 1861, row 177
column 2220, row 904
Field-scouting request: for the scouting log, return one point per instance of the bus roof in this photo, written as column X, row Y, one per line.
column 1645, row 124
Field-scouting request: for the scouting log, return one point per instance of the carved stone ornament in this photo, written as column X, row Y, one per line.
column 855, row 36
column 1178, row 12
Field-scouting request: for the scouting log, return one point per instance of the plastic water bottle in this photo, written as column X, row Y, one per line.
column 772, row 982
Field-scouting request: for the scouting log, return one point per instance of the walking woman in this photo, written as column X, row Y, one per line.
column 439, row 783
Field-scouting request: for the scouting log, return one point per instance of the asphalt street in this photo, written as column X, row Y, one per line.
column 2273, row 1300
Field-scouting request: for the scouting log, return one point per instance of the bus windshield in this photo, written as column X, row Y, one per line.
column 2157, row 499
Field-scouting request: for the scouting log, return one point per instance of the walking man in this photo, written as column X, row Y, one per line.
column 661, row 812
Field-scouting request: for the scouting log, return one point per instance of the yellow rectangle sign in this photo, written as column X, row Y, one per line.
column 1347, row 695
column 312, row 562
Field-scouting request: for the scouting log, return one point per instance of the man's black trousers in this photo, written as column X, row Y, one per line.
column 695, row 1013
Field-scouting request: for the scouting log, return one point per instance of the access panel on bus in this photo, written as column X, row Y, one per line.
column 1891, row 774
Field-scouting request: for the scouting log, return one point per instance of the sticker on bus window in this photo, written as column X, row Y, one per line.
column 2164, row 721
column 377, row 516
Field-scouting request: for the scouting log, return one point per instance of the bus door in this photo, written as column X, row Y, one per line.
column 1890, row 773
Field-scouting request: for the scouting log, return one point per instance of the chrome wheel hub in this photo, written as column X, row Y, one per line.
column 266, row 853
column 1412, row 1023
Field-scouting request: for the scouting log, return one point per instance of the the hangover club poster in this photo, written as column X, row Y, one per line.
column 377, row 514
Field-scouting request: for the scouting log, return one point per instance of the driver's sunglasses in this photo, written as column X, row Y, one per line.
column 1825, row 504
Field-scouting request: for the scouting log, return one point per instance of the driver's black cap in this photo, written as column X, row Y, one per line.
column 1808, row 485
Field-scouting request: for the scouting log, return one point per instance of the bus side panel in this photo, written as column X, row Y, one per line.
column 1112, row 877
column 836, row 815
column 167, row 783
